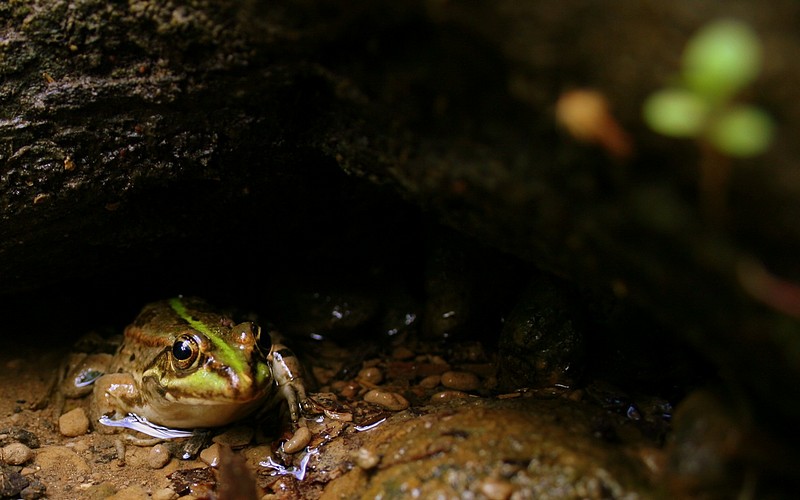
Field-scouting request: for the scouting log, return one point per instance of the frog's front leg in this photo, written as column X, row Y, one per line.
column 113, row 393
column 118, row 403
column 288, row 374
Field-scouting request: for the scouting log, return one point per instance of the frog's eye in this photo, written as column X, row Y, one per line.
column 185, row 351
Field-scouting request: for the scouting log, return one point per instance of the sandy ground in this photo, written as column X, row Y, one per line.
column 402, row 423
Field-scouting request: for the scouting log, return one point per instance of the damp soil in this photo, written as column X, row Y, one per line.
column 415, row 419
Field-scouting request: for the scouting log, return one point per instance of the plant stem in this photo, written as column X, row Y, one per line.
column 713, row 184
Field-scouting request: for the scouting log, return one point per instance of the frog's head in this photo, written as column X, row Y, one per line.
column 226, row 363
column 211, row 368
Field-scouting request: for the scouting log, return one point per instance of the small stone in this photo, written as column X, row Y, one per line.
column 130, row 493
column 576, row 395
column 402, row 353
column 496, row 489
column 437, row 360
column 36, row 489
column 445, row 396
column 322, row 375
column 14, row 364
column 389, row 400
column 73, row 423
column 164, row 494
column 211, row 455
column 430, row 381
column 366, row 458
column 18, row 435
column 158, row 457
column 102, row 489
column 298, row 441
column 53, row 459
column 350, row 390
column 255, row 454
column 15, row 454
column 81, row 445
column 371, row 375
column 11, row 482
column 462, row 381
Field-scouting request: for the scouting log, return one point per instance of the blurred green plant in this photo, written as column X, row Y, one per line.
column 721, row 60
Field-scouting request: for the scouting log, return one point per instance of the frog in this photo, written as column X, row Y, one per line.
column 183, row 365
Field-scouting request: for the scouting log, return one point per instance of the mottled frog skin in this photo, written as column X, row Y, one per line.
column 182, row 365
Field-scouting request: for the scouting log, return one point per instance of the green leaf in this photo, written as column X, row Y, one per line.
column 676, row 112
column 721, row 59
column 742, row 131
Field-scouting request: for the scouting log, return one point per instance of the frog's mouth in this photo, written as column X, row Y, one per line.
column 207, row 388
column 191, row 417
column 204, row 391
column 188, row 412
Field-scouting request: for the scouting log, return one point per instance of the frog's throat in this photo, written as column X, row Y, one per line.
column 229, row 354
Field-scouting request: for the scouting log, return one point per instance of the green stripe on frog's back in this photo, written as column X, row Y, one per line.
column 229, row 356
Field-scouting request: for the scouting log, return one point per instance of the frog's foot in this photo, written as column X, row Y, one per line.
column 288, row 374
column 141, row 424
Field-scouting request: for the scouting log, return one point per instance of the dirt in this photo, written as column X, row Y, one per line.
column 551, row 443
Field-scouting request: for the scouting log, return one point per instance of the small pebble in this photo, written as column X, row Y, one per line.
column 402, row 353
column 35, row 489
column 322, row 375
column 73, row 423
column 462, row 381
column 496, row 489
column 297, row 442
column 444, row 396
column 430, row 381
column 158, row 457
column 438, row 360
column 350, row 390
column 576, row 395
column 130, row 493
column 389, row 400
column 371, row 375
column 654, row 459
column 257, row 453
column 165, row 494
column 14, row 364
column 52, row 459
column 366, row 459
column 80, row 445
column 211, row 455
column 15, row 454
